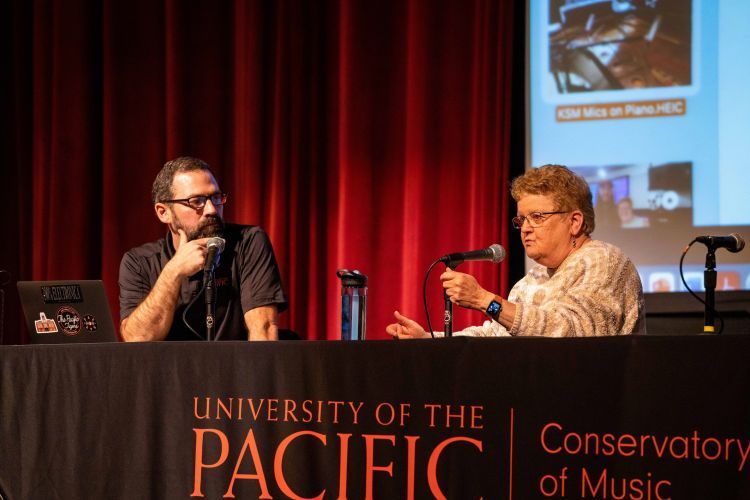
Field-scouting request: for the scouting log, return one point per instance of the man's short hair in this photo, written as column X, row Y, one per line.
column 569, row 190
column 162, row 188
column 625, row 200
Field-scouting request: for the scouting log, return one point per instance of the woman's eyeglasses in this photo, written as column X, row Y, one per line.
column 535, row 219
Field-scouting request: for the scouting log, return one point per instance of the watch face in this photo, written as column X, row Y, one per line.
column 493, row 308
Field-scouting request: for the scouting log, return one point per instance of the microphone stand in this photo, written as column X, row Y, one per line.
column 210, row 296
column 495, row 253
column 448, row 317
column 709, row 283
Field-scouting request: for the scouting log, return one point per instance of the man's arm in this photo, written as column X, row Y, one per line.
column 153, row 317
column 262, row 323
column 262, row 296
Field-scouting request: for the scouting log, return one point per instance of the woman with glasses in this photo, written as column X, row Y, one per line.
column 579, row 286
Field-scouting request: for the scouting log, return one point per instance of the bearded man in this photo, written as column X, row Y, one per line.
column 160, row 282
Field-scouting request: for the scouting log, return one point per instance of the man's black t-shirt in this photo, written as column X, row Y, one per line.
column 247, row 277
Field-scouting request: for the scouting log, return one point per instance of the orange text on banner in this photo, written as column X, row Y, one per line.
column 619, row 110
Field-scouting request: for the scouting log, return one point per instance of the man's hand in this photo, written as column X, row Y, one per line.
column 463, row 289
column 405, row 328
column 189, row 256
column 153, row 318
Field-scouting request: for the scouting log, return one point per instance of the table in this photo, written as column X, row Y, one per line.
column 508, row 418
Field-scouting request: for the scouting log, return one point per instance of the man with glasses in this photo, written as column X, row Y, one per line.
column 161, row 283
column 579, row 287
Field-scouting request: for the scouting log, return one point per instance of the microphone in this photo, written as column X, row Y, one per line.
column 214, row 247
column 734, row 242
column 494, row 253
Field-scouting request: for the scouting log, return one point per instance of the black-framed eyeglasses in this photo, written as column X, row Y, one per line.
column 535, row 219
column 198, row 202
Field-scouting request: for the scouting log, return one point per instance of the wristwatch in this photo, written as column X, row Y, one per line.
column 493, row 310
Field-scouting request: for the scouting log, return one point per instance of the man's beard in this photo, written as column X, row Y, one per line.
column 211, row 226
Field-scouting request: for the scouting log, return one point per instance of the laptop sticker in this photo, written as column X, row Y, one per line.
column 69, row 320
column 45, row 324
column 89, row 322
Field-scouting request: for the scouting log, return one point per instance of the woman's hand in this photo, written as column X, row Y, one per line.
column 405, row 328
column 463, row 289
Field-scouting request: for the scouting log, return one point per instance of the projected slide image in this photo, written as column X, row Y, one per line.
column 648, row 101
column 666, row 281
column 639, row 195
column 599, row 45
column 694, row 280
column 658, row 279
column 661, row 282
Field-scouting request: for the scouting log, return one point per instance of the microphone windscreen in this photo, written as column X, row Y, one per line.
column 498, row 253
column 740, row 242
column 217, row 242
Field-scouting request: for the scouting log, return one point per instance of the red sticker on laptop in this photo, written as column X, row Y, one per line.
column 69, row 320
column 45, row 324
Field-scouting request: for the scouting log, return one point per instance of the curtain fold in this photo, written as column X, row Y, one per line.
column 361, row 135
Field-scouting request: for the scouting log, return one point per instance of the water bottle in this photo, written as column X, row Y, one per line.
column 353, row 304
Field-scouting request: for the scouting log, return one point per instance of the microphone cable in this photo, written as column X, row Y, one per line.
column 424, row 296
column 682, row 277
column 187, row 308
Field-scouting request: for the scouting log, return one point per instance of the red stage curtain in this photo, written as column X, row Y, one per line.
column 365, row 135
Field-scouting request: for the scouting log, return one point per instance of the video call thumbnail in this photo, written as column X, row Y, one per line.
column 640, row 196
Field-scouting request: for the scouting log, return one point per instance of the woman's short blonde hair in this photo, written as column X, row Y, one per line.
column 569, row 191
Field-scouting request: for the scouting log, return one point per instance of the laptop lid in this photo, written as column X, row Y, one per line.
column 66, row 311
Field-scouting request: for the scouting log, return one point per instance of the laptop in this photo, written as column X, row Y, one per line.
column 64, row 312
